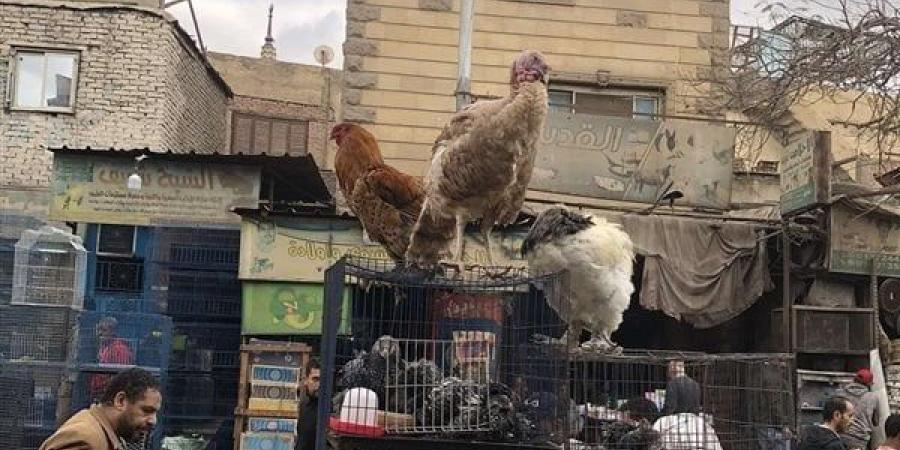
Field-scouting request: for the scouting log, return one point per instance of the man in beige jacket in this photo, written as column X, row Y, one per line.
column 127, row 410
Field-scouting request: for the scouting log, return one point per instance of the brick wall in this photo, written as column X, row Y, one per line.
column 129, row 94
column 400, row 56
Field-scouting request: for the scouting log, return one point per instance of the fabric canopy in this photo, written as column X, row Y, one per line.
column 700, row 271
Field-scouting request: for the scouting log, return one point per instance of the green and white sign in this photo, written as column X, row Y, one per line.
column 805, row 166
column 285, row 308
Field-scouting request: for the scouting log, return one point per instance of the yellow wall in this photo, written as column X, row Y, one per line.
column 400, row 55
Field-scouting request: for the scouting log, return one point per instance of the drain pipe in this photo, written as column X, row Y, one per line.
column 464, row 76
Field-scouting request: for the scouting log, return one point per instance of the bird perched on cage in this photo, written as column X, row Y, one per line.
column 481, row 165
column 595, row 259
column 386, row 201
column 370, row 370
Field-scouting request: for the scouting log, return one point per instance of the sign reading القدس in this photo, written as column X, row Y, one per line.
column 93, row 189
column 635, row 160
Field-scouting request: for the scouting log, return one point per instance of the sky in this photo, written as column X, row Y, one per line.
column 299, row 26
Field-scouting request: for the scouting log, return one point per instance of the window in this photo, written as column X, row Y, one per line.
column 116, row 240
column 44, row 80
column 254, row 135
column 636, row 104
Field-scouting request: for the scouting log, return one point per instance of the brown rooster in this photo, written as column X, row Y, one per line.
column 385, row 200
column 481, row 165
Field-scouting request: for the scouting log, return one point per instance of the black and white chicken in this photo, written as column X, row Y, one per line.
column 371, row 370
column 595, row 258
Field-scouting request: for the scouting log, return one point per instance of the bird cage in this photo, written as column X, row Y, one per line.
column 446, row 356
column 35, row 333
column 643, row 400
column 49, row 269
column 117, row 340
column 7, row 258
column 206, row 249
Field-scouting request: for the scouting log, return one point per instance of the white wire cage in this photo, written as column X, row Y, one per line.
column 49, row 269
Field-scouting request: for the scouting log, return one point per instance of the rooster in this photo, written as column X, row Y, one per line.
column 386, row 201
column 595, row 259
column 481, row 165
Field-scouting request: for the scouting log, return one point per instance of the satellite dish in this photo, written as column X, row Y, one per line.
column 324, row 54
column 889, row 295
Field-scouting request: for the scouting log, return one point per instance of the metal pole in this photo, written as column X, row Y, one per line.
column 464, row 76
column 786, row 301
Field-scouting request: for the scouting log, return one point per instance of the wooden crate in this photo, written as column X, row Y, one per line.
column 289, row 355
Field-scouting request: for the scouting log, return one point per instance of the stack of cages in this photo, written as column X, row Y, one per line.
column 38, row 324
column 193, row 277
column 267, row 413
column 274, row 388
column 447, row 357
column 649, row 399
column 108, row 343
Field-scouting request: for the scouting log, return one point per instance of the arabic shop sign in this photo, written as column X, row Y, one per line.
column 858, row 240
column 286, row 308
column 88, row 188
column 301, row 250
column 635, row 160
column 805, row 169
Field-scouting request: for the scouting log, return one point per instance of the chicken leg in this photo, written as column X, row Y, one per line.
column 489, row 246
column 458, row 259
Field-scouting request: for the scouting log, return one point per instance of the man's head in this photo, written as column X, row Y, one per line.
column 106, row 328
column 311, row 379
column 892, row 427
column 676, row 369
column 131, row 401
column 838, row 413
column 864, row 377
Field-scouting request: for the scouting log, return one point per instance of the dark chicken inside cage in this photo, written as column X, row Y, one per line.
column 468, row 357
column 451, row 357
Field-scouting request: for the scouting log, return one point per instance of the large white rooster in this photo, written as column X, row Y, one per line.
column 595, row 258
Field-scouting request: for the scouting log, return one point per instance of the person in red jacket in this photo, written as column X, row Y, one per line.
column 110, row 350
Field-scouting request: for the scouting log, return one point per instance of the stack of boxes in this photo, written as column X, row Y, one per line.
column 268, row 410
column 893, row 377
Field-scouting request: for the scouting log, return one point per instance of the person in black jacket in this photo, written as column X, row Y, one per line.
column 308, row 407
column 837, row 415
column 682, row 392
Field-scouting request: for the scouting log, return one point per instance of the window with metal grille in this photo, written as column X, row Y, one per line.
column 636, row 104
column 253, row 135
column 116, row 239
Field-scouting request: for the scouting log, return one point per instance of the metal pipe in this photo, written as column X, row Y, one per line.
column 464, row 58
column 786, row 301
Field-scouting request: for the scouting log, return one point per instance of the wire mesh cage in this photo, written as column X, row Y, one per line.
column 49, row 269
column 7, row 259
column 646, row 399
column 196, row 248
column 123, row 339
column 192, row 293
column 13, row 400
column 443, row 356
column 44, row 381
column 36, row 333
column 206, row 346
column 189, row 395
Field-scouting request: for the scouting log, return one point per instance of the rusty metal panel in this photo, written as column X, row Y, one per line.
column 635, row 160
